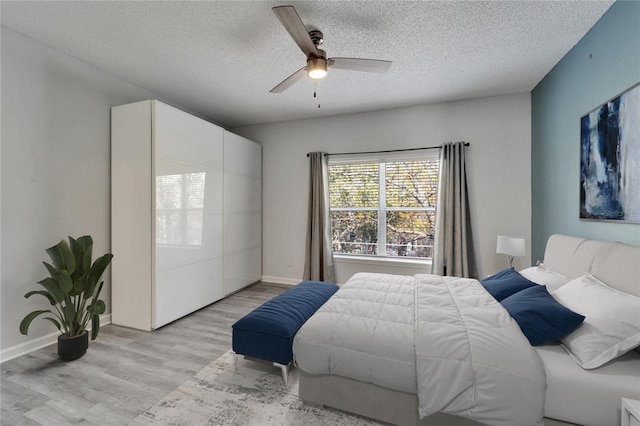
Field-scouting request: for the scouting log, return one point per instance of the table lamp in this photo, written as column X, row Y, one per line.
column 511, row 246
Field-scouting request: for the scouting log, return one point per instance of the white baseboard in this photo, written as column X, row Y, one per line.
column 39, row 343
column 281, row 280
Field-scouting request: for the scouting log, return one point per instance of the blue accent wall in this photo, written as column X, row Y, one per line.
column 605, row 63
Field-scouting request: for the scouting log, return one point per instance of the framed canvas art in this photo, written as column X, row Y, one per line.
column 610, row 160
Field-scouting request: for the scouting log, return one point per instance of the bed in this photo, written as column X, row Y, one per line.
column 394, row 355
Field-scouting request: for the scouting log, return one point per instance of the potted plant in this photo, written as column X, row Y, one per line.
column 74, row 292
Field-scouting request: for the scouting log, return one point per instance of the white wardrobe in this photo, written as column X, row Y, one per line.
column 185, row 214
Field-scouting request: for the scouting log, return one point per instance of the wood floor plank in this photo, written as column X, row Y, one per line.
column 125, row 371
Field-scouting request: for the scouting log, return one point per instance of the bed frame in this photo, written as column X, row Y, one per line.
column 614, row 263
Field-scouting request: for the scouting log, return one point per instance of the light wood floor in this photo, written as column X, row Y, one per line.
column 125, row 371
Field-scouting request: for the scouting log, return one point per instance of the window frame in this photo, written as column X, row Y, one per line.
column 382, row 209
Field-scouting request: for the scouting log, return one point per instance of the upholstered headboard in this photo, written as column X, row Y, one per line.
column 615, row 264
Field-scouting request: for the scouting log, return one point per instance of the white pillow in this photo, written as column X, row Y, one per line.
column 612, row 324
column 544, row 276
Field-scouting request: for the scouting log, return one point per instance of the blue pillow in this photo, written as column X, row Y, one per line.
column 540, row 317
column 505, row 283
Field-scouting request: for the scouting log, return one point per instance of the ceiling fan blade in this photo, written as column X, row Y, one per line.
column 291, row 21
column 288, row 82
column 356, row 64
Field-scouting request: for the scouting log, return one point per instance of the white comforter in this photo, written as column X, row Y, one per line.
column 444, row 338
column 472, row 359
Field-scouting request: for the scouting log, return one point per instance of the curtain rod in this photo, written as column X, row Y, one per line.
column 386, row 151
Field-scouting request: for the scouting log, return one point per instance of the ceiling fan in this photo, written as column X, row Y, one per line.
column 317, row 61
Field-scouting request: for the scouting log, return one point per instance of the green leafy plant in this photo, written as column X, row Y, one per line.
column 72, row 288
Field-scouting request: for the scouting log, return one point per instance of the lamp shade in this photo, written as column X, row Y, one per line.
column 513, row 246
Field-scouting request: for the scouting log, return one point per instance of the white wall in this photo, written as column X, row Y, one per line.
column 55, row 171
column 498, row 171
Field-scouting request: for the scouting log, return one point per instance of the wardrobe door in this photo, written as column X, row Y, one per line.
column 242, row 212
column 188, row 195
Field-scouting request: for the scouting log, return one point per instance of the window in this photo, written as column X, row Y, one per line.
column 384, row 207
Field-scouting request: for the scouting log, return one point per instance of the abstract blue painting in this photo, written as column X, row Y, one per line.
column 610, row 160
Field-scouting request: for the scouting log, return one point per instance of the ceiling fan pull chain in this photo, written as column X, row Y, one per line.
column 315, row 91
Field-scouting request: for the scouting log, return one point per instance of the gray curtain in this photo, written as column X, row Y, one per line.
column 453, row 253
column 318, row 262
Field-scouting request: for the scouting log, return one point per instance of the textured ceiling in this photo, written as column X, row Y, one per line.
column 221, row 58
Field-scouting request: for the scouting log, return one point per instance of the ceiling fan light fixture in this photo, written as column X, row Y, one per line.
column 317, row 61
column 316, row 68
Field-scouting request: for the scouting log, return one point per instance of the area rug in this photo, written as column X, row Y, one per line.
column 252, row 395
